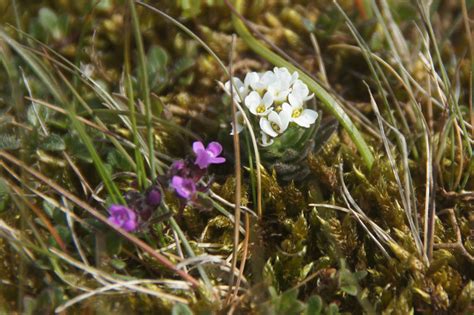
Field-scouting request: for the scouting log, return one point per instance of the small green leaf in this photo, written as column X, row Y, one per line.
column 157, row 61
column 50, row 22
column 9, row 142
column 113, row 243
column 315, row 305
column 53, row 142
column 181, row 65
column 289, row 304
column 350, row 289
column 359, row 275
column 332, row 309
column 77, row 149
column 157, row 58
column 269, row 274
column 48, row 208
column 347, row 282
column 118, row 264
column 181, row 309
column 64, row 233
column 118, row 161
column 191, row 8
column 4, row 196
column 305, row 271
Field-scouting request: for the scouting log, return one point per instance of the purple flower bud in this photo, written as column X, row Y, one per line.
column 184, row 187
column 123, row 217
column 178, row 165
column 209, row 155
column 153, row 197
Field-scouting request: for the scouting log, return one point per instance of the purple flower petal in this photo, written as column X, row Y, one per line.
column 205, row 157
column 115, row 221
column 218, row 160
column 215, row 148
column 178, row 165
column 114, row 209
column 153, row 198
column 202, row 159
column 123, row 217
column 198, row 146
column 184, row 187
column 129, row 226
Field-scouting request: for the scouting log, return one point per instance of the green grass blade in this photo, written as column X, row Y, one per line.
column 145, row 88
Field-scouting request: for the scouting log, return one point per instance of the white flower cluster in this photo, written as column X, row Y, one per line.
column 276, row 98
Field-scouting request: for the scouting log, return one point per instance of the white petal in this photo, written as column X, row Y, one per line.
column 274, row 118
column 240, row 90
column 279, row 91
column 307, row 98
column 307, row 118
column 251, row 78
column 287, row 108
column 240, row 123
column 294, row 77
column 268, row 99
column 239, row 129
column 266, row 127
column 281, row 72
column 300, row 89
column 285, row 117
column 267, row 78
column 237, row 82
column 252, row 100
column 265, row 140
column 281, row 95
column 274, row 87
column 294, row 100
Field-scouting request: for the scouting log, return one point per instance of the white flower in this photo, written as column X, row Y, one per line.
column 275, row 123
column 240, row 123
column 257, row 105
column 282, row 74
column 259, row 81
column 299, row 115
column 240, row 89
column 281, row 86
column 299, row 94
column 265, row 140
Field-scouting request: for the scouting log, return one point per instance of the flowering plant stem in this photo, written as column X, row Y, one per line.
column 329, row 102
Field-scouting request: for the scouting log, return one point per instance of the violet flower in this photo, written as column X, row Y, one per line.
column 153, row 197
column 209, row 155
column 123, row 217
column 184, row 187
column 178, row 166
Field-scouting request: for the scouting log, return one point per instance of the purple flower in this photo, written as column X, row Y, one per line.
column 153, row 197
column 184, row 187
column 209, row 155
column 123, row 217
column 178, row 166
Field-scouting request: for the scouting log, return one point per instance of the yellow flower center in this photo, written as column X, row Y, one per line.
column 278, row 108
column 261, row 108
column 296, row 113
column 275, row 127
